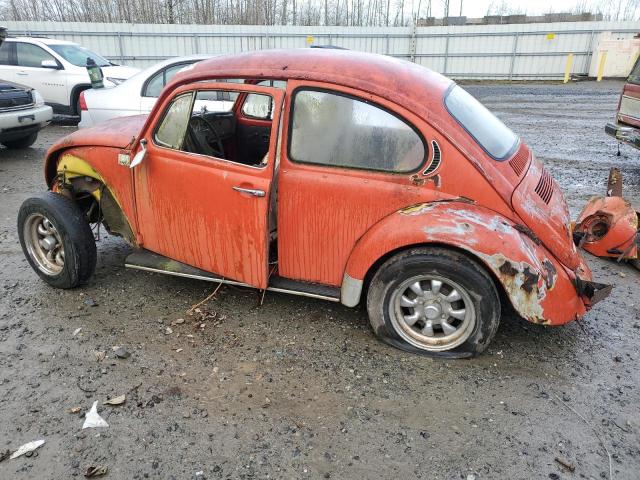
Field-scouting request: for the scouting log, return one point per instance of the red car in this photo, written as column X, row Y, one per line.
column 627, row 126
column 331, row 174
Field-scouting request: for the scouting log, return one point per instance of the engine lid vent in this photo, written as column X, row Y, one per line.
column 519, row 161
column 436, row 159
column 545, row 186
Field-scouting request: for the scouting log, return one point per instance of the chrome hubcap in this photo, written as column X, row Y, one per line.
column 44, row 244
column 432, row 312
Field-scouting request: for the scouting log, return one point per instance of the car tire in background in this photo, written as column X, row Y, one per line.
column 23, row 142
column 57, row 240
column 434, row 301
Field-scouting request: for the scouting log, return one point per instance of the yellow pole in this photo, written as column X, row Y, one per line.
column 603, row 59
column 567, row 67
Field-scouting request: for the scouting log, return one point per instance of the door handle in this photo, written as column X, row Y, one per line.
column 250, row 191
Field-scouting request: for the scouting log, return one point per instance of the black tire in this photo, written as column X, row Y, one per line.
column 448, row 264
column 635, row 263
column 23, row 142
column 75, row 234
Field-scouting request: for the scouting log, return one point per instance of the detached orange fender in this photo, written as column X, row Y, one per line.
column 538, row 286
column 609, row 226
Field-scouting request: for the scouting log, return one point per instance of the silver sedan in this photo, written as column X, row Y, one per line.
column 134, row 96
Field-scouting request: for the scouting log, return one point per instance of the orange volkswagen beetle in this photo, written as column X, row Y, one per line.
column 330, row 174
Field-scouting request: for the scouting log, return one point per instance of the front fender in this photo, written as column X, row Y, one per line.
column 538, row 286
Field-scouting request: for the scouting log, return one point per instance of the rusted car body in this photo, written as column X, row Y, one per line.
column 313, row 215
column 626, row 128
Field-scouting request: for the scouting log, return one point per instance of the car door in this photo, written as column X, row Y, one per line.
column 50, row 82
column 205, row 207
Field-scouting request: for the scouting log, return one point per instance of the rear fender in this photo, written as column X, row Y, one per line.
column 538, row 287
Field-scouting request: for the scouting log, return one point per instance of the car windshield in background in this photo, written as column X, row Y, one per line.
column 492, row 135
column 78, row 55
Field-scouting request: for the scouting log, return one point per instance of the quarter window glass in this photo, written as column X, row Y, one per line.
column 5, row 53
column 332, row 129
column 31, row 55
column 171, row 131
column 492, row 135
column 261, row 106
column 155, row 85
column 171, row 71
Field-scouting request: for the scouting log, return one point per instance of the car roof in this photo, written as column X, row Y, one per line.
column 406, row 83
column 43, row 40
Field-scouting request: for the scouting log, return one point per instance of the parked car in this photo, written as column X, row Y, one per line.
column 22, row 112
column 134, row 96
column 626, row 128
column 56, row 68
column 366, row 179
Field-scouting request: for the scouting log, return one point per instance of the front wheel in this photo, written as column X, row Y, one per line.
column 434, row 301
column 57, row 240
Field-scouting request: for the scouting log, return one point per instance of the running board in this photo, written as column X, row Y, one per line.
column 152, row 262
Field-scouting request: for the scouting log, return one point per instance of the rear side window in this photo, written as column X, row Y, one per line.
column 333, row 129
column 156, row 83
column 31, row 55
column 5, row 53
column 490, row 133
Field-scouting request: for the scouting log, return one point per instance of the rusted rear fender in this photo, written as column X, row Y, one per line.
column 539, row 288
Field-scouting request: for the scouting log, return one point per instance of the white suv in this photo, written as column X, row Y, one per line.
column 56, row 68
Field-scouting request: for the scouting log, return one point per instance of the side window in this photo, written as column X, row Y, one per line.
column 6, row 57
column 154, row 85
column 333, row 129
column 171, row 71
column 171, row 131
column 31, row 55
column 260, row 106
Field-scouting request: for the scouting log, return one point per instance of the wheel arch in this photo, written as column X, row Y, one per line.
column 522, row 269
column 75, row 94
column 68, row 174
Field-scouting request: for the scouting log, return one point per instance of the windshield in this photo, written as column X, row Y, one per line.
column 77, row 55
column 492, row 135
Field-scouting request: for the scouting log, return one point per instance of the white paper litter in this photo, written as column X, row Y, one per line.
column 92, row 419
column 27, row 447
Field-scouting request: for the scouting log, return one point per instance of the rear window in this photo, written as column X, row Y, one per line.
column 490, row 133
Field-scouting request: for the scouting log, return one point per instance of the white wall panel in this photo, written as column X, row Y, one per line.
column 527, row 51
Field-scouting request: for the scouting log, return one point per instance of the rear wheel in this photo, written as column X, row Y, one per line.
column 57, row 240
column 23, row 142
column 434, row 301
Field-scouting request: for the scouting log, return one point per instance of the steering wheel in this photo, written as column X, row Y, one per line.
column 206, row 137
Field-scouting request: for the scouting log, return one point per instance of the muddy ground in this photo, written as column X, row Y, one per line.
column 300, row 388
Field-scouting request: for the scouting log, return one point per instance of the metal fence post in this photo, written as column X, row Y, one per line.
column 120, row 46
column 446, row 55
column 196, row 43
column 513, row 55
column 590, row 52
column 412, row 43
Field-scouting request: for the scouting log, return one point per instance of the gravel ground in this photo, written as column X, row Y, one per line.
column 300, row 388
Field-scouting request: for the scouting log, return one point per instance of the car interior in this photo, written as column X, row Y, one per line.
column 231, row 126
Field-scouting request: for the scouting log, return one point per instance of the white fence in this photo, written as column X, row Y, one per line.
column 509, row 52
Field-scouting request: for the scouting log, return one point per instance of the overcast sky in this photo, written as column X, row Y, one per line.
column 478, row 8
